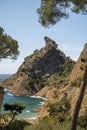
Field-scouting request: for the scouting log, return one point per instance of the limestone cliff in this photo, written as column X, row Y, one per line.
column 76, row 79
column 72, row 89
column 38, row 69
column 78, row 69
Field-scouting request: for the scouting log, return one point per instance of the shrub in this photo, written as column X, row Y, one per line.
column 60, row 110
column 36, row 83
column 82, row 122
column 77, row 82
column 47, row 124
column 19, row 125
column 1, row 89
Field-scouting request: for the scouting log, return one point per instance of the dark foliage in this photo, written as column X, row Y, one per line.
column 52, row 11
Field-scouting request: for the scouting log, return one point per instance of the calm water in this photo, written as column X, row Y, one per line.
column 31, row 103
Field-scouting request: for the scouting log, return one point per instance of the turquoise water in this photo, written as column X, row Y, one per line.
column 31, row 103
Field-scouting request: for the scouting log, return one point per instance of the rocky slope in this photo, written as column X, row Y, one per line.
column 76, row 79
column 72, row 89
column 48, row 72
column 49, row 65
column 78, row 70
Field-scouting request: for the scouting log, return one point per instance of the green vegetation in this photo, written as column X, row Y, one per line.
column 1, row 89
column 8, row 46
column 48, row 124
column 52, row 11
column 59, row 118
column 35, row 84
column 60, row 110
column 19, row 125
column 61, row 77
column 12, row 111
column 82, row 121
column 77, row 82
column 66, row 68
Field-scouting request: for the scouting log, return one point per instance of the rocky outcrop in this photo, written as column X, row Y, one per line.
column 78, row 69
column 47, row 72
column 36, row 69
column 73, row 88
column 76, row 78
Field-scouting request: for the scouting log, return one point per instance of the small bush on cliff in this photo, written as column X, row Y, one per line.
column 47, row 123
column 61, row 76
column 36, row 83
column 1, row 89
column 77, row 82
column 60, row 110
column 66, row 68
column 19, row 125
column 82, row 121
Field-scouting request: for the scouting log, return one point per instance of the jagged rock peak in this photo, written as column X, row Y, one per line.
column 50, row 43
column 34, row 72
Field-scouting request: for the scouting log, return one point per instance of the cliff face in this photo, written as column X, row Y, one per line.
column 73, row 88
column 76, row 79
column 78, row 70
column 48, row 72
column 33, row 74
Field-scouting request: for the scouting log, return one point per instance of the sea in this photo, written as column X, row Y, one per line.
column 31, row 102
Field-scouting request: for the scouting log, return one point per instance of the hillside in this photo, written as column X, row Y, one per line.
column 78, row 70
column 48, row 66
column 49, row 73
column 71, row 90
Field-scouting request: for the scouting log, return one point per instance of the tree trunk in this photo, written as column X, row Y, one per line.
column 11, row 121
column 79, row 101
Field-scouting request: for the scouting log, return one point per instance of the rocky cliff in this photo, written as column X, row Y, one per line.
column 39, row 69
column 49, row 73
column 76, row 78
column 72, row 89
column 78, row 70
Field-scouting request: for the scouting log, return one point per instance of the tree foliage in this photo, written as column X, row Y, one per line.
column 19, row 125
column 13, row 110
column 8, row 46
column 60, row 110
column 52, row 11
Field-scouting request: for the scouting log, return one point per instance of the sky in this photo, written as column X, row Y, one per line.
column 20, row 20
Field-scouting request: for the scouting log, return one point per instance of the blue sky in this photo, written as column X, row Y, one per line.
column 20, row 20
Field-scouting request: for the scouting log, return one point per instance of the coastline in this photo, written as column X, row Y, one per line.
column 30, row 114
